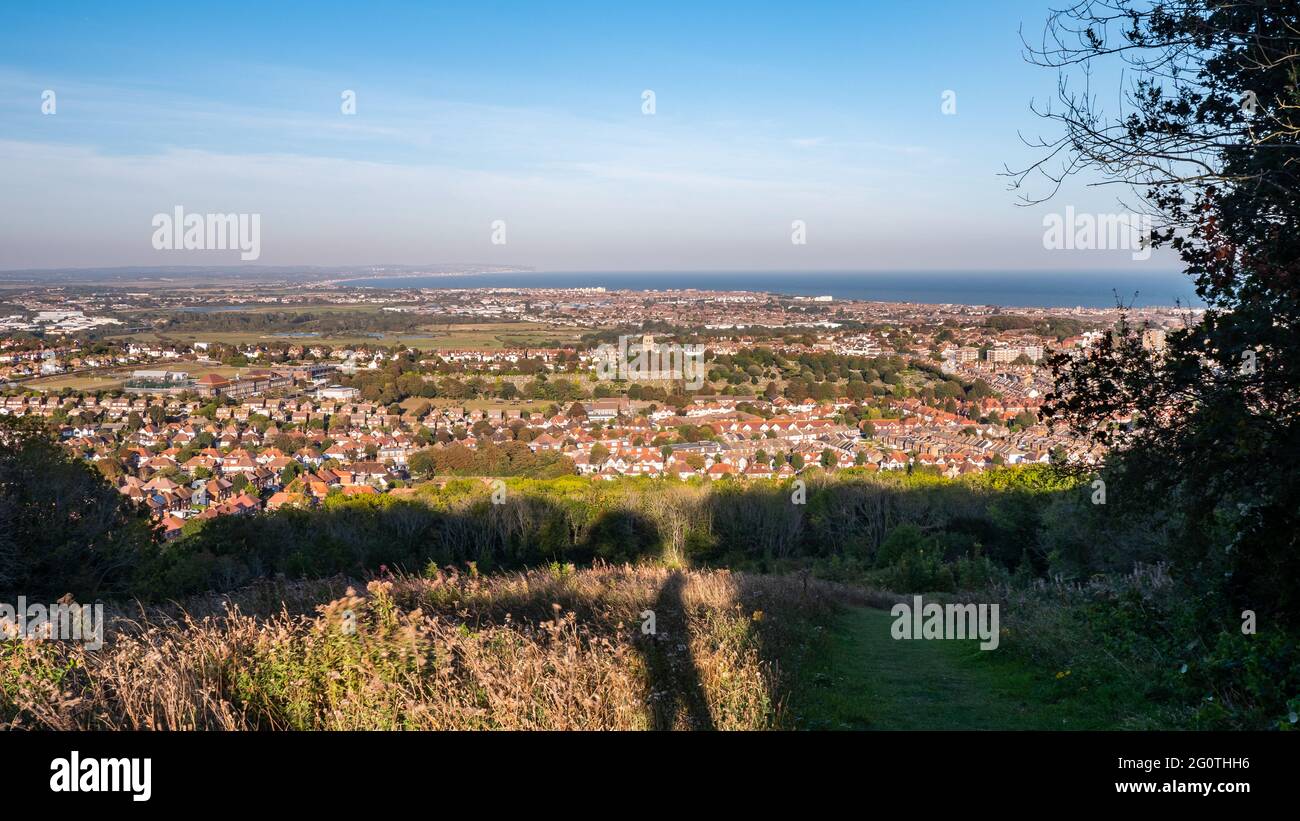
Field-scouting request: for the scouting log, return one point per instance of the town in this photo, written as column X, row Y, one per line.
column 194, row 416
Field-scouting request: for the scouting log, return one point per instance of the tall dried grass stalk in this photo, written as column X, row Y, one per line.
column 559, row 649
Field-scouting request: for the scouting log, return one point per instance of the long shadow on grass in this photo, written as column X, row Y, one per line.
column 753, row 526
column 677, row 698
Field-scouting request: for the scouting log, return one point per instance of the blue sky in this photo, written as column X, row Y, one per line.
column 766, row 113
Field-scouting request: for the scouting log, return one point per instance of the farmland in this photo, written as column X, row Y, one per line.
column 432, row 337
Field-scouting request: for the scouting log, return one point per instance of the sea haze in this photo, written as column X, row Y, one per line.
column 1029, row 290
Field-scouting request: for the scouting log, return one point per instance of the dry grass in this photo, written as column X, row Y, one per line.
column 559, row 649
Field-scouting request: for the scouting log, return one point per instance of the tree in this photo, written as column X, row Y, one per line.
column 979, row 390
column 111, row 468
column 1024, row 419
column 422, row 463
column 1202, row 434
column 63, row 528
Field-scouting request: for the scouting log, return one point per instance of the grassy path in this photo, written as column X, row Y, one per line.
column 868, row 681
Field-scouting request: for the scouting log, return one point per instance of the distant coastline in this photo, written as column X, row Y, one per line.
column 1012, row 290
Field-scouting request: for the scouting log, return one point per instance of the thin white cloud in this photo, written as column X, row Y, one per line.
column 410, row 179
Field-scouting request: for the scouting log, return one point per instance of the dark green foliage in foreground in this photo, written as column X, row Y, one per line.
column 1202, row 433
column 62, row 527
column 851, row 526
column 862, row 679
column 997, row 536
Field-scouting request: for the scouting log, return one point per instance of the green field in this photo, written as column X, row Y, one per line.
column 866, row 680
column 432, row 337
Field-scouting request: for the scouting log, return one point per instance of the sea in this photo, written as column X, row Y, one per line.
column 1093, row 289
